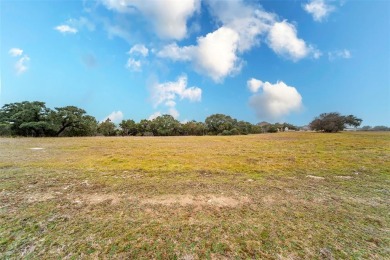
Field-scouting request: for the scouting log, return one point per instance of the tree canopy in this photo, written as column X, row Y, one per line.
column 334, row 122
column 35, row 119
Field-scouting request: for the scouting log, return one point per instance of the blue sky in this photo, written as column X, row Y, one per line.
column 254, row 60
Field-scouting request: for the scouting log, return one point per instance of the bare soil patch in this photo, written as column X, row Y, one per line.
column 315, row 177
column 201, row 200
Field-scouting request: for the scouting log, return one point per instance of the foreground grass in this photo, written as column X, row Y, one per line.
column 277, row 196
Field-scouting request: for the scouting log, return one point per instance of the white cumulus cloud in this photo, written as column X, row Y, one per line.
column 283, row 40
column 254, row 84
column 139, row 49
column 168, row 17
column 319, row 9
column 242, row 27
column 249, row 22
column 14, row 52
column 215, row 54
column 21, row 64
column 115, row 116
column 275, row 100
column 64, row 29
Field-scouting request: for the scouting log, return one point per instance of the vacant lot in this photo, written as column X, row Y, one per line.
column 270, row 196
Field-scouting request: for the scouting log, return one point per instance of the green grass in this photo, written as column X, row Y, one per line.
column 270, row 196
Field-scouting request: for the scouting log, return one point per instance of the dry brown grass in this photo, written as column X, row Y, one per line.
column 276, row 196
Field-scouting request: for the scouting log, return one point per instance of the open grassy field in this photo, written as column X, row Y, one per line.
column 269, row 196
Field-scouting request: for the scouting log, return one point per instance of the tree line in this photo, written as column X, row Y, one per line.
column 35, row 119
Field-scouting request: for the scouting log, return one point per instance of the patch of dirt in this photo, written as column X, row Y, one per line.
column 270, row 200
column 203, row 200
column 99, row 198
column 36, row 148
column 315, row 177
column 218, row 201
column 373, row 201
column 344, row 177
column 39, row 197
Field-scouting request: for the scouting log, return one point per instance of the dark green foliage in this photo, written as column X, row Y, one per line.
column 272, row 129
column 194, row 128
column 27, row 119
column 128, row 127
column 107, row 128
column 218, row 123
column 265, row 127
column 166, row 125
column 144, row 127
column 73, row 121
column 334, row 122
column 352, row 120
column 35, row 119
column 87, row 127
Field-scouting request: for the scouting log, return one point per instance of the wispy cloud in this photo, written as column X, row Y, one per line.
column 166, row 94
column 65, row 29
column 117, row 30
column 81, row 23
column 319, row 9
column 14, row 52
column 133, row 65
column 139, row 49
column 21, row 65
column 137, row 53
column 339, row 54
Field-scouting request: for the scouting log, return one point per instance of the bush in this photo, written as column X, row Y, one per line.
column 226, row 132
column 234, row 131
column 272, row 129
